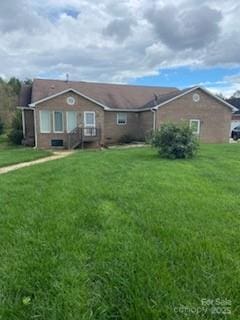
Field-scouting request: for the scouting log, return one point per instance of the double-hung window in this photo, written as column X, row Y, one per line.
column 121, row 118
column 45, row 121
column 71, row 120
column 195, row 126
column 58, row 126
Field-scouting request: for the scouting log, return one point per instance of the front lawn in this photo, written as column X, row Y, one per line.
column 121, row 234
column 10, row 154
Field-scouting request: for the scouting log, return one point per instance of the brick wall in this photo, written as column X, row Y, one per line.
column 113, row 132
column 145, row 124
column 60, row 104
column 214, row 116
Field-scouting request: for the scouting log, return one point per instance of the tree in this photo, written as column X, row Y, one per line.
column 28, row 81
column 15, row 84
column 221, row 96
column 236, row 94
column 9, row 92
column 8, row 103
column 15, row 136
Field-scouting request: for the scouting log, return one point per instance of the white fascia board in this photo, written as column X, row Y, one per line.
column 24, row 108
column 128, row 110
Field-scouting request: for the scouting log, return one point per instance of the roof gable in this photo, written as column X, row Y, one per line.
column 182, row 93
column 63, row 92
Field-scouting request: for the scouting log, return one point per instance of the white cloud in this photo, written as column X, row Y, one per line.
column 228, row 86
column 115, row 41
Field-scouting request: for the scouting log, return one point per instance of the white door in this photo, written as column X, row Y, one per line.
column 89, row 123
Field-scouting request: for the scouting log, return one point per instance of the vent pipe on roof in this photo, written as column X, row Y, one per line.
column 67, row 77
column 51, row 90
column 155, row 99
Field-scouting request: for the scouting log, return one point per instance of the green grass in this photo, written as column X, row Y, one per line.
column 10, row 154
column 121, row 234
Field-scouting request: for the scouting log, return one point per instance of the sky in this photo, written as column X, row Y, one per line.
column 177, row 43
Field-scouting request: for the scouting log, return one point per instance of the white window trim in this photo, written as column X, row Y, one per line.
column 121, row 124
column 67, row 120
column 40, row 122
column 54, row 122
column 199, row 123
column 85, row 117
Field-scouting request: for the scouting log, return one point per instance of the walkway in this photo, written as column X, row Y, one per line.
column 55, row 156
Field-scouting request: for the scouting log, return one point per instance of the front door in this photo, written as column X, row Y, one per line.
column 89, row 123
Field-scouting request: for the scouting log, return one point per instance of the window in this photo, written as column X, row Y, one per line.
column 195, row 126
column 71, row 120
column 89, row 123
column 57, row 143
column 89, row 119
column 45, row 121
column 121, row 118
column 58, row 121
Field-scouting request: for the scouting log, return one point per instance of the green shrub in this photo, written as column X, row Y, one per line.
column 149, row 136
column 175, row 141
column 1, row 126
column 126, row 138
column 15, row 136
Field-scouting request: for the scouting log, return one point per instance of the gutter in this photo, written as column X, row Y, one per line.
column 24, row 108
column 23, row 124
column 35, row 128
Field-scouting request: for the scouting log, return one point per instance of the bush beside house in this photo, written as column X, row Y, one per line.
column 175, row 141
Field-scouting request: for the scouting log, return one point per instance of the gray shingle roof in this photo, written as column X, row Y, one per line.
column 165, row 97
column 112, row 95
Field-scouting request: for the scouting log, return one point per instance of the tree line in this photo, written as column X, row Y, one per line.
column 9, row 95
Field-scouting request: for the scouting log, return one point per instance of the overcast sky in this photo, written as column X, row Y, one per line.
column 166, row 42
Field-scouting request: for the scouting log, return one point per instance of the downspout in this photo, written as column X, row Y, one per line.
column 154, row 119
column 35, row 128
column 23, row 124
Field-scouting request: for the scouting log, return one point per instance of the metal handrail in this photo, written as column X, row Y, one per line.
column 80, row 134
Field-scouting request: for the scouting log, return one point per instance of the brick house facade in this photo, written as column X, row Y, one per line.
column 57, row 113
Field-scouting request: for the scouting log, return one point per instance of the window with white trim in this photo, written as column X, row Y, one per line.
column 45, row 121
column 71, row 120
column 58, row 121
column 89, row 123
column 121, row 118
column 89, row 119
column 195, row 126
